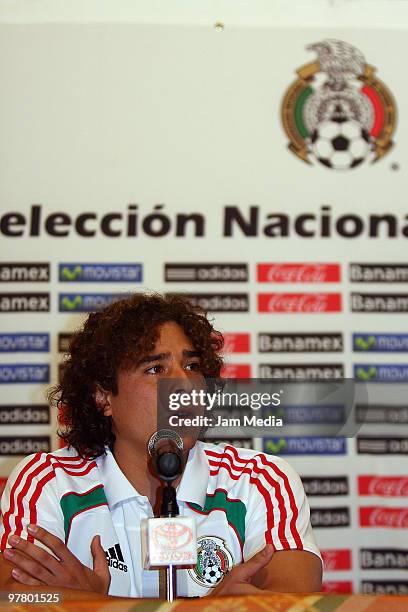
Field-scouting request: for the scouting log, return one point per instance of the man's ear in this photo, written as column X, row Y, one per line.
column 103, row 401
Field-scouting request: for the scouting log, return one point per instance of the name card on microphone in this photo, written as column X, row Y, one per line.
column 169, row 541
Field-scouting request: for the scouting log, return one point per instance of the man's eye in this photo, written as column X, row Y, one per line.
column 194, row 366
column 156, row 369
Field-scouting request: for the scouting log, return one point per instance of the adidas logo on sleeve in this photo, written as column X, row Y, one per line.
column 115, row 558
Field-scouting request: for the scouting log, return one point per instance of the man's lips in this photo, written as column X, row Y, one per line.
column 188, row 412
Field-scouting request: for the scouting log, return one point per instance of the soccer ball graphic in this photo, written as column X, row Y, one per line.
column 340, row 144
column 212, row 574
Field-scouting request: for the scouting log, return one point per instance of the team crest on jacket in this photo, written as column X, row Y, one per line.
column 214, row 560
column 337, row 112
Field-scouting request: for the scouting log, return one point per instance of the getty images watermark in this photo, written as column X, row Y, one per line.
column 206, row 402
column 232, row 408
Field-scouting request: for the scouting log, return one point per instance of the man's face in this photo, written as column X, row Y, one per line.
column 134, row 408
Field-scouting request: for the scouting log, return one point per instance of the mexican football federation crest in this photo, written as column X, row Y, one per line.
column 214, row 560
column 337, row 112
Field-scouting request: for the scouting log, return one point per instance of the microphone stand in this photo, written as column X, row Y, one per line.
column 165, row 447
column 169, row 509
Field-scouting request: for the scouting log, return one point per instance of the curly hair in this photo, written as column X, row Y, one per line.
column 113, row 340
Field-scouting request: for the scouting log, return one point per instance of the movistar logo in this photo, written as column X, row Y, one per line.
column 100, row 272
column 381, row 372
column 364, row 343
column 24, row 373
column 71, row 273
column 366, row 373
column 69, row 303
column 24, row 343
column 305, row 445
column 87, row 302
column 275, row 447
column 380, row 343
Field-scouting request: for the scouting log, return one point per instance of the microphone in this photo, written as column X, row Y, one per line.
column 166, row 450
column 170, row 540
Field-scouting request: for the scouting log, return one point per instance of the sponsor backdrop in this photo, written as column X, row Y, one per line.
column 262, row 172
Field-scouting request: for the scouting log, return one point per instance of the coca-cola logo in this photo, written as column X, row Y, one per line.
column 299, row 302
column 376, row 516
column 240, row 370
column 336, row 559
column 330, row 561
column 340, row 586
column 236, row 343
column 384, row 486
column 299, row 273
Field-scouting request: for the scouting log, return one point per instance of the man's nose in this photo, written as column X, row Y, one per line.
column 180, row 380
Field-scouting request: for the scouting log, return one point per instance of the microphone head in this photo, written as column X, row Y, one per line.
column 168, row 466
column 165, row 448
column 164, row 434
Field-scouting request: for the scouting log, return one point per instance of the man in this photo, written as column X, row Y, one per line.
column 72, row 518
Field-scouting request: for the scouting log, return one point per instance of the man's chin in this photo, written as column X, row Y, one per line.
column 189, row 442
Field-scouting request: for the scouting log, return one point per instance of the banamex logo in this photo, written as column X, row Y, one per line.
column 384, row 587
column 337, row 113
